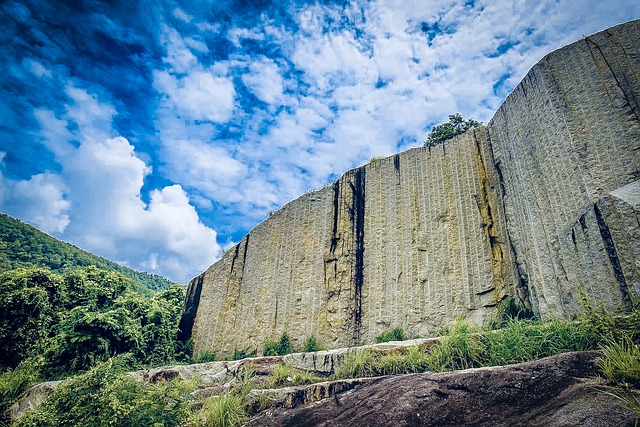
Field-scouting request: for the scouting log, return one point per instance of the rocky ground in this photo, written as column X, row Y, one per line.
column 562, row 390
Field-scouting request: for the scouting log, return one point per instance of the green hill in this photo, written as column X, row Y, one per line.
column 22, row 245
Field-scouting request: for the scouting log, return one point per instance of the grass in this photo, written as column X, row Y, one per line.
column 285, row 375
column 396, row 334
column 620, row 362
column 221, row 411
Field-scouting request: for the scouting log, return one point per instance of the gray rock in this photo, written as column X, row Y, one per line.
column 561, row 390
column 540, row 202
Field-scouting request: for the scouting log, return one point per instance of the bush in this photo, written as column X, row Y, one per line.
column 15, row 382
column 278, row 348
column 396, row 334
column 455, row 126
column 106, row 395
column 311, row 344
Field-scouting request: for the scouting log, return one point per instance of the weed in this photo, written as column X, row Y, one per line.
column 620, row 362
column 463, row 348
column 221, row 411
column 359, row 363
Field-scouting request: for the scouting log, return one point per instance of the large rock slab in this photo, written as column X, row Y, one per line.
column 561, row 390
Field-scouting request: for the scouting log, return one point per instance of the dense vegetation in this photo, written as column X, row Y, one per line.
column 56, row 325
column 455, row 126
column 22, row 245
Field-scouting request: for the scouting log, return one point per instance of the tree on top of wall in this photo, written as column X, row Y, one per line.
column 456, row 125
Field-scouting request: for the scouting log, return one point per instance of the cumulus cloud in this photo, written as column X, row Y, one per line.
column 40, row 200
column 96, row 201
column 155, row 117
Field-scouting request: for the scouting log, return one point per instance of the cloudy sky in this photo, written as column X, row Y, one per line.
column 156, row 133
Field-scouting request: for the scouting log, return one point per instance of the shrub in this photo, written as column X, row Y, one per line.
column 15, row 382
column 278, row 348
column 511, row 309
column 106, row 395
column 396, row 334
column 207, row 356
column 455, row 126
column 311, row 344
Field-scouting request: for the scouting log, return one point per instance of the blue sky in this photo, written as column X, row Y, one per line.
column 158, row 133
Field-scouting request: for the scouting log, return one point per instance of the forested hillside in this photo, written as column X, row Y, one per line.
column 22, row 245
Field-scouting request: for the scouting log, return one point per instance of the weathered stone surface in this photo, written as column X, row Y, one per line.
column 555, row 391
column 325, row 362
column 32, row 399
column 566, row 142
column 540, row 201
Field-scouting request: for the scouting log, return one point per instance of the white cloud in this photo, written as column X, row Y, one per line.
column 199, row 95
column 264, row 80
column 96, row 201
column 40, row 200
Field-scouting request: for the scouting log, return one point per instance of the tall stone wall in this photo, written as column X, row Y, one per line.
column 542, row 200
column 567, row 143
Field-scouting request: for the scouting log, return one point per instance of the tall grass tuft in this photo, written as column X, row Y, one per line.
column 222, row 411
column 620, row 362
column 463, row 348
column 396, row 334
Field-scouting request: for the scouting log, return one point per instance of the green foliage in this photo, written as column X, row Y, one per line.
column 15, row 382
column 620, row 362
column 106, row 395
column 27, row 312
column 525, row 340
column 455, row 126
column 243, row 354
column 311, row 344
column 284, row 375
column 369, row 362
column 23, row 246
column 278, row 348
column 396, row 334
column 83, row 318
column 358, row 364
column 463, row 348
column 376, row 159
column 510, row 309
column 207, row 356
column 221, row 411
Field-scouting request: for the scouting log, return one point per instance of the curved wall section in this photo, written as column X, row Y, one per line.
column 542, row 201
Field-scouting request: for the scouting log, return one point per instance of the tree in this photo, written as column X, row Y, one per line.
column 456, row 125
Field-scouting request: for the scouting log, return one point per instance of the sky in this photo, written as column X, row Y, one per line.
column 158, row 133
